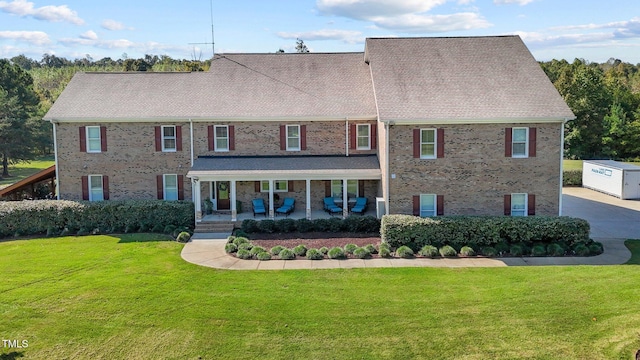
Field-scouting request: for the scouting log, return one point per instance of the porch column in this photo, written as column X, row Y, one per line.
column 234, row 211
column 195, row 189
column 345, row 199
column 308, row 205
column 271, row 209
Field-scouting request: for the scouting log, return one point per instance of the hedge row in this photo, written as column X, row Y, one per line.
column 355, row 223
column 572, row 178
column 70, row 217
column 457, row 231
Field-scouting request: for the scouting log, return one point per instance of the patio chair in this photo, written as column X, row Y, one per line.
column 258, row 207
column 287, row 206
column 361, row 206
column 330, row 206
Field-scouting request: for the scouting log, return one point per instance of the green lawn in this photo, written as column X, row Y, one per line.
column 572, row 164
column 20, row 171
column 117, row 297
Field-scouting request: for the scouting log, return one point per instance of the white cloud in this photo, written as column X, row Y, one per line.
column 51, row 13
column 347, row 36
column 507, row 2
column 149, row 47
column 113, row 25
column 89, row 35
column 404, row 15
column 32, row 37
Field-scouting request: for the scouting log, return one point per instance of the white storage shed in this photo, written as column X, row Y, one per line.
column 615, row 178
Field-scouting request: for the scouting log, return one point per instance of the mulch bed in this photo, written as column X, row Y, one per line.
column 313, row 239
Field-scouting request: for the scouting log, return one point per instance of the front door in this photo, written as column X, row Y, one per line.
column 222, row 194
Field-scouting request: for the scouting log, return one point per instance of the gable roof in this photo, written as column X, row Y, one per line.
column 460, row 78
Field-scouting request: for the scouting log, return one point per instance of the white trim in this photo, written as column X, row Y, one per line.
column 162, row 138
column 252, row 175
column 215, row 138
column 169, row 119
column 526, row 203
column 526, row 143
column 55, row 155
column 435, row 144
column 561, row 168
column 88, row 142
column 346, row 137
column 291, row 148
column 358, row 147
column 474, row 121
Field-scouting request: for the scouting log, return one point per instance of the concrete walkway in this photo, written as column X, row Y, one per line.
column 612, row 222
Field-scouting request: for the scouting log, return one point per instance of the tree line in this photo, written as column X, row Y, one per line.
column 605, row 97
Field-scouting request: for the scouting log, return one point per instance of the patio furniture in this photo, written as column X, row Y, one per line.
column 258, row 207
column 330, row 206
column 287, row 206
column 361, row 206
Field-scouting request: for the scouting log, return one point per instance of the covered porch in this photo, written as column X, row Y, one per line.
column 226, row 186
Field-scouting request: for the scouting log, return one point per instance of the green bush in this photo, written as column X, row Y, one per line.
column 275, row 251
column 538, row 250
column 230, row 248
column 596, row 248
column 249, row 226
column 384, row 252
column 169, row 229
column 467, row 251
column 285, row 225
column 324, row 250
column 502, row 247
column 350, row 248
column 243, row 254
column 361, row 224
column 581, row 250
column 267, row 226
column 448, row 251
column 371, row 249
column 287, row 254
column 263, row 256
column 572, row 178
column 555, row 250
column 245, row 246
column 304, row 225
column 404, row 252
column 336, row 225
column 516, row 250
column 183, row 237
column 300, row 250
column 490, row 251
column 361, row 253
column 52, row 231
column 314, row 254
column 240, row 240
column 256, row 250
column 336, row 253
column 241, row 233
column 429, row 251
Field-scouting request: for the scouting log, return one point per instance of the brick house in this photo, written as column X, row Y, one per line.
column 424, row 126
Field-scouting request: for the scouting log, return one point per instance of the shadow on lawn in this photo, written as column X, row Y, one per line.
column 12, row 355
column 142, row 237
column 634, row 247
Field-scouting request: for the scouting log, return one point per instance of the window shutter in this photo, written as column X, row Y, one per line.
column 361, row 188
column 160, row 187
column 290, row 185
column 210, row 137
column 507, row 205
column 178, row 138
column 85, row 188
column 352, row 136
column 83, row 139
column 232, row 137
column 103, row 138
column 257, row 186
column 158, row 133
column 416, row 205
column 180, row 187
column 532, row 142
column 105, row 187
column 416, row 143
column 374, row 136
column 507, row 147
column 531, row 204
column 440, row 145
column 303, row 137
column 439, row 205
column 327, row 188
column 283, row 137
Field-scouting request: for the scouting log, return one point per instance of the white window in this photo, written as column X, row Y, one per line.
column 170, row 187
column 94, row 144
column 221, row 138
column 293, row 137
column 428, row 205
column 520, row 142
column 352, row 188
column 519, row 204
column 279, row 186
column 428, row 143
column 168, row 138
column 96, row 192
column 364, row 138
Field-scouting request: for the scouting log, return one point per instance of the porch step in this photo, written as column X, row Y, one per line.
column 214, row 227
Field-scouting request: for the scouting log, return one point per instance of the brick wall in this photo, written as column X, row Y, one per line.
column 474, row 174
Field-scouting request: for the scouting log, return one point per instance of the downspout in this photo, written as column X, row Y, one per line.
column 386, row 168
column 346, row 138
column 55, row 154
column 561, row 165
column 191, row 138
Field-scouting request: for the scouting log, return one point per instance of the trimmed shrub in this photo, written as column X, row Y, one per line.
column 572, row 178
column 502, row 247
column 249, row 226
column 275, row 251
column 516, row 250
column 596, row 248
column 230, row 248
column 467, row 251
column 243, row 254
column 245, row 246
column 256, row 250
column 361, row 224
column 336, row 225
column 350, row 248
column 404, row 252
column 169, row 229
column 361, row 253
column 267, row 226
column 285, row 225
column 230, row 238
column 314, row 254
column 287, row 254
column 263, row 256
column 429, row 251
column 324, row 250
column 384, row 245
column 538, row 250
column 241, row 233
column 158, row 228
column 52, row 231
column 555, row 250
column 304, row 225
column 384, row 252
column 490, row 251
column 240, row 240
column 336, row 253
column 130, row 228
column 321, row 225
column 448, row 251
column 183, row 237
column 300, row 250
column 581, row 250
column 371, row 249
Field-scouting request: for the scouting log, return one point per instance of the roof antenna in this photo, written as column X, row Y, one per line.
column 212, row 43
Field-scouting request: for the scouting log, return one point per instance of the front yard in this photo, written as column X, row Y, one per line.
column 132, row 296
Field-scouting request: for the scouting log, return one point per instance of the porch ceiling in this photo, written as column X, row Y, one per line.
column 362, row 167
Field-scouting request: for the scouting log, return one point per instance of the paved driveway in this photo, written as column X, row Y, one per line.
column 609, row 216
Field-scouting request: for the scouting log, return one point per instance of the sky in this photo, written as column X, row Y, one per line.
column 593, row 30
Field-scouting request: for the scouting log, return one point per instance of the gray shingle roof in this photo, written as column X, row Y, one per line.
column 461, row 78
